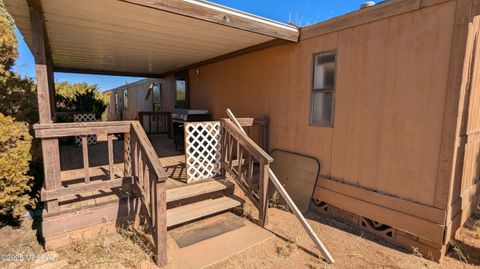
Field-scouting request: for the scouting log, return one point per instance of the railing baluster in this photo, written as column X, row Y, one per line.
column 250, row 170
column 146, row 181
column 150, row 123
column 126, row 155
column 110, row 156
column 133, row 154
column 230, row 151
column 140, row 168
column 240, row 160
column 86, row 165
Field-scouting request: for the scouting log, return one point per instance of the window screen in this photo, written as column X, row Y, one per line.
column 323, row 92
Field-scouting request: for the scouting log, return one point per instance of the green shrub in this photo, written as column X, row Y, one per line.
column 79, row 98
column 15, row 157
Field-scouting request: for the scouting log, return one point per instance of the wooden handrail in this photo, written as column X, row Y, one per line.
column 326, row 254
column 150, row 182
column 248, row 165
column 55, row 130
column 149, row 151
column 246, row 141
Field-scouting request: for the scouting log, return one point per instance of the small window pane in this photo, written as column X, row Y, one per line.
column 157, row 98
column 322, row 108
column 125, row 99
column 324, row 71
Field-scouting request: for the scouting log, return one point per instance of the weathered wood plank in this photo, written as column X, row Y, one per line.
column 213, row 13
column 47, row 195
column 420, row 227
column 66, row 222
column 160, row 200
column 51, row 169
column 110, row 156
column 263, row 193
column 190, row 191
column 127, row 165
column 80, row 131
column 39, row 51
column 429, row 213
column 198, row 210
column 86, row 164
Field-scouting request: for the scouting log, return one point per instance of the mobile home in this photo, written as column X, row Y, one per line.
column 385, row 98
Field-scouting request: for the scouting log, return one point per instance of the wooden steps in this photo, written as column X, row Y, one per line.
column 198, row 210
column 199, row 189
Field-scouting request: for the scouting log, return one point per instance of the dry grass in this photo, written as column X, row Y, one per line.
column 126, row 248
column 276, row 201
column 458, row 251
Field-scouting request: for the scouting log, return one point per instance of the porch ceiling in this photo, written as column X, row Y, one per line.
column 143, row 37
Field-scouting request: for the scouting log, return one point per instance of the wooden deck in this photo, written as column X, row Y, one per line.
column 72, row 171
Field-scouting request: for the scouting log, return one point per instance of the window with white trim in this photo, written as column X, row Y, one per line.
column 323, row 89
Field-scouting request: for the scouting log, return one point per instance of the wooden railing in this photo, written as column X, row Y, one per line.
column 156, row 122
column 142, row 170
column 150, row 181
column 248, row 164
column 263, row 128
column 50, row 135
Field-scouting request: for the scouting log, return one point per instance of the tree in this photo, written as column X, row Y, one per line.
column 15, row 145
column 18, row 111
column 80, row 98
column 17, row 94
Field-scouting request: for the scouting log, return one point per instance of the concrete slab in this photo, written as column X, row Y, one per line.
column 218, row 248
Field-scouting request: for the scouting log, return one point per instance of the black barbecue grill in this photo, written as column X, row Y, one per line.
column 179, row 117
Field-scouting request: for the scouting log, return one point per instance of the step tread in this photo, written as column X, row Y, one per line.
column 183, row 214
column 198, row 189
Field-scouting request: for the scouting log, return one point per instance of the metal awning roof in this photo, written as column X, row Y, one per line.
column 143, row 37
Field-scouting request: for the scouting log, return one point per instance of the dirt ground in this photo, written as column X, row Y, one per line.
column 290, row 248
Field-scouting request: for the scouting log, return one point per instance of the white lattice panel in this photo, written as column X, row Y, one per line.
column 202, row 150
column 92, row 139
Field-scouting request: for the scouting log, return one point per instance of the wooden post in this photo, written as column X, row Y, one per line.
column 127, row 163
column 43, row 74
column 86, row 163
column 51, row 169
column 160, row 222
column 263, row 193
column 45, row 84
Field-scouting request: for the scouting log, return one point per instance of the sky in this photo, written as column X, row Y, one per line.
column 299, row 12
